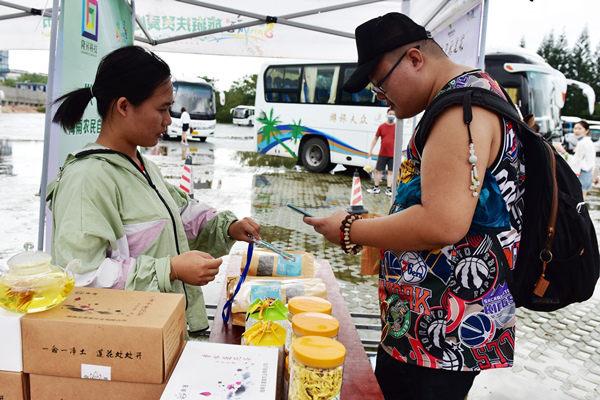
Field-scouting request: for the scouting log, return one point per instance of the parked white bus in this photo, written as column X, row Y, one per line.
column 198, row 98
column 243, row 115
column 302, row 112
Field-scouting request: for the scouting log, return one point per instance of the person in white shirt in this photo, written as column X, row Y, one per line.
column 584, row 159
column 185, row 125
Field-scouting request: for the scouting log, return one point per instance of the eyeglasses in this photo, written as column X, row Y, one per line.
column 377, row 88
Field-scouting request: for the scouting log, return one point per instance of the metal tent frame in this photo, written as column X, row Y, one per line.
column 257, row 19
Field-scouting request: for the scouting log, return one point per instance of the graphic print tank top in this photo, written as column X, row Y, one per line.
column 451, row 308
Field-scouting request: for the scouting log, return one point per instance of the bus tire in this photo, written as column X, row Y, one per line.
column 315, row 155
column 202, row 139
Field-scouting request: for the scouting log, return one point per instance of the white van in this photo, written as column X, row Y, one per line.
column 243, row 115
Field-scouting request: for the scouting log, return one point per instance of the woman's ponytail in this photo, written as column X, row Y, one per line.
column 131, row 72
column 72, row 107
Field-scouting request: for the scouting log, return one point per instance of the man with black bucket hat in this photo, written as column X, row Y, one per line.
column 455, row 226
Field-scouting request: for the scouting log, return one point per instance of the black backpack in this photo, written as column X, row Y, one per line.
column 557, row 261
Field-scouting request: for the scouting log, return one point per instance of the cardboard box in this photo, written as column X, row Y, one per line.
column 13, row 386
column 224, row 371
column 58, row 388
column 106, row 334
column 11, row 358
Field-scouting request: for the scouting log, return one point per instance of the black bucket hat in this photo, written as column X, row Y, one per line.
column 376, row 37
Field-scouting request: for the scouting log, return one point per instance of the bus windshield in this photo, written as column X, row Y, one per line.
column 197, row 98
column 540, row 86
column 241, row 113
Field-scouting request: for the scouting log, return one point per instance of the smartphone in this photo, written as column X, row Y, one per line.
column 300, row 210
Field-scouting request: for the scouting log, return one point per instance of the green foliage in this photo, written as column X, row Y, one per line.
column 241, row 92
column 25, row 77
column 9, row 82
column 33, row 78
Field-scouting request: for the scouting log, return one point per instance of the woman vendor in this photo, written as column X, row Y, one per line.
column 111, row 207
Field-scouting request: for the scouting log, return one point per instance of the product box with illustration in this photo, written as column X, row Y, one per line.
column 208, row 371
column 106, row 334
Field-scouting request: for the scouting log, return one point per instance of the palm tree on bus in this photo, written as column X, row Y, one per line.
column 269, row 130
column 296, row 130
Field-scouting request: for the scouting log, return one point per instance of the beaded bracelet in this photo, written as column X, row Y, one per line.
column 347, row 246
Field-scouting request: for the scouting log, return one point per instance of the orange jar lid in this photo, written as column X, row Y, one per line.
column 318, row 352
column 300, row 304
column 315, row 324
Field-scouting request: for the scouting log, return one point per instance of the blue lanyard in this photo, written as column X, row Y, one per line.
column 226, row 313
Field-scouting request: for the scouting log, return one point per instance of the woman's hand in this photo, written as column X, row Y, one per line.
column 328, row 226
column 194, row 267
column 244, row 228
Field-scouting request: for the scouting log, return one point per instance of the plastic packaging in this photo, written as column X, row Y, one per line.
column 266, row 263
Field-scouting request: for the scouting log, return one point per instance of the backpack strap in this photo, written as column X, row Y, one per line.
column 542, row 283
column 465, row 97
column 469, row 96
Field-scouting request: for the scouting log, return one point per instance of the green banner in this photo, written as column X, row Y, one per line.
column 88, row 30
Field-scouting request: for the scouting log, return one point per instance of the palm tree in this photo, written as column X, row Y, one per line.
column 270, row 130
column 297, row 130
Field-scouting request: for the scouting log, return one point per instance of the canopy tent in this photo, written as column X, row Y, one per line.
column 271, row 29
column 279, row 29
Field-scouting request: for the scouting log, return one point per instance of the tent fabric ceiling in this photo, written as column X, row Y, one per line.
column 168, row 19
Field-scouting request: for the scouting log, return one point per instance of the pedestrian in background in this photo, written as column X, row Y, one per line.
column 385, row 160
column 584, row 159
column 185, row 125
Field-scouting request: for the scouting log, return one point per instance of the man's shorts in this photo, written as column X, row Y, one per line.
column 383, row 161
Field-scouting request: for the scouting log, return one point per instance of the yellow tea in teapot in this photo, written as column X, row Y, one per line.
column 52, row 291
column 32, row 284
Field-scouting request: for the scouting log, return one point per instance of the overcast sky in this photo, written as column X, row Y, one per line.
column 509, row 20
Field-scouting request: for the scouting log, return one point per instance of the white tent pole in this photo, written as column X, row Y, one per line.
column 315, row 28
column 49, row 99
column 483, row 37
column 399, row 132
column 28, row 10
column 16, row 15
column 435, row 12
column 284, row 19
column 142, row 27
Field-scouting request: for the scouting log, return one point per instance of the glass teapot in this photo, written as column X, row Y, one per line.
column 31, row 284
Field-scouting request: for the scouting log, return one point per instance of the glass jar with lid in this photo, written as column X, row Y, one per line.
column 32, row 284
column 314, row 324
column 316, row 368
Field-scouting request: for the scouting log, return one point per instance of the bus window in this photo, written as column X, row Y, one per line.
column 319, row 84
column 365, row 97
column 282, row 84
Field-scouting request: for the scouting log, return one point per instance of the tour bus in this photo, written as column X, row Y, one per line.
column 243, row 115
column 534, row 86
column 198, row 98
column 302, row 112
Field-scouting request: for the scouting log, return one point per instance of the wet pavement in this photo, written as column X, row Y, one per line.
column 557, row 354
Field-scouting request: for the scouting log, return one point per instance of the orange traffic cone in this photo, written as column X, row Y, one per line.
column 186, row 182
column 356, row 199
